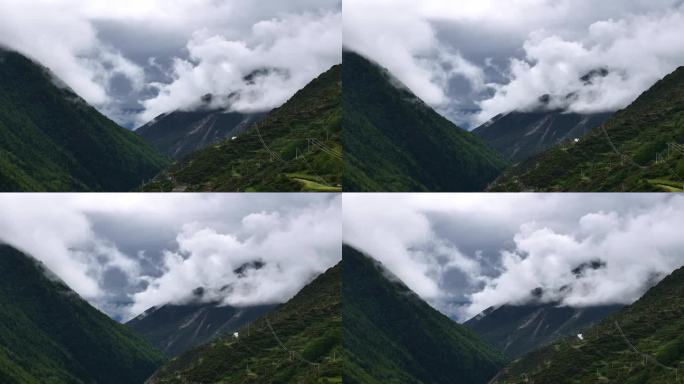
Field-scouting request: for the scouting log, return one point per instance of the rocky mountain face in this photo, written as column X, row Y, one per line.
column 296, row 147
column 174, row 329
column 518, row 329
column 519, row 135
column 179, row 133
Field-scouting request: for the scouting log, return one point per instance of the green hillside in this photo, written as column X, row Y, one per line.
column 296, row 147
column 300, row 342
column 640, row 148
column 51, row 140
column 49, row 335
column 641, row 344
column 395, row 142
column 391, row 336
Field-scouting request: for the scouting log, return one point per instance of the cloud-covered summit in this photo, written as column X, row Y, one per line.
column 127, row 253
column 481, row 58
column 136, row 59
column 465, row 253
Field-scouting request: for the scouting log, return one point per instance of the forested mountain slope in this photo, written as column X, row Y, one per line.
column 640, row 148
column 52, row 140
column 643, row 343
column 391, row 336
column 49, row 335
column 299, row 342
column 393, row 141
column 296, row 147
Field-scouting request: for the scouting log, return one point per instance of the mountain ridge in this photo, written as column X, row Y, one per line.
column 394, row 142
column 50, row 335
column 392, row 336
column 52, row 140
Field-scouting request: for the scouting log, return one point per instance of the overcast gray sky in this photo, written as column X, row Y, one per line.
column 466, row 252
column 473, row 59
column 136, row 59
column 127, row 252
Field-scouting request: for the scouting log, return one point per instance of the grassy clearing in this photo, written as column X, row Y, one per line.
column 667, row 185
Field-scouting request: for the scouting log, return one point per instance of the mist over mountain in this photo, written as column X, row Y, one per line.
column 476, row 57
column 135, row 61
column 295, row 147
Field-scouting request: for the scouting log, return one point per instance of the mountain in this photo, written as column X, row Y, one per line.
column 518, row 329
column 393, row 141
column 640, row 148
column 175, row 328
column 296, row 147
column 180, row 133
column 391, row 336
column 643, row 343
column 49, row 335
column 52, row 140
column 299, row 342
column 519, row 135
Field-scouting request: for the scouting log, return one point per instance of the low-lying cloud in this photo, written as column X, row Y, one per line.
column 466, row 253
column 125, row 254
column 136, row 59
column 481, row 58
column 258, row 73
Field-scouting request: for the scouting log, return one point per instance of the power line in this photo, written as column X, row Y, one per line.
column 645, row 356
column 292, row 352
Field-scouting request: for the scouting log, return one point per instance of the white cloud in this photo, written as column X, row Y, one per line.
column 637, row 249
column 58, row 36
column 125, row 253
column 397, row 36
column 512, row 53
column 636, row 51
column 487, row 250
column 295, row 248
column 294, row 50
column 104, row 49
